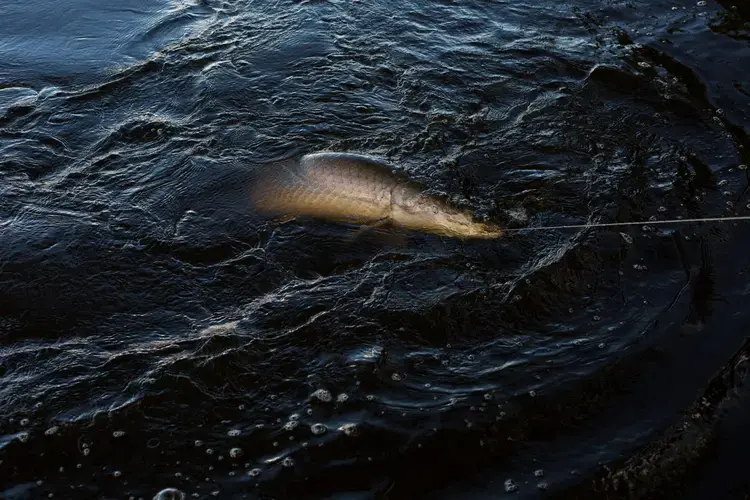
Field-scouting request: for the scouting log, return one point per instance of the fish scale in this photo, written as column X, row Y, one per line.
column 355, row 188
column 318, row 188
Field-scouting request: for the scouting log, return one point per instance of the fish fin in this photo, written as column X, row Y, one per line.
column 390, row 236
column 395, row 238
column 367, row 227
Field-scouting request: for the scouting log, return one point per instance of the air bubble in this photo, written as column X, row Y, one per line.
column 510, row 486
column 349, row 429
column 294, row 416
column 233, row 433
column 24, row 422
column 322, row 395
column 742, row 167
column 396, row 377
column 235, row 452
column 198, row 442
column 169, row 494
column 117, row 473
column 209, row 451
column 291, row 425
column 288, row 462
column 318, row 429
column 23, row 436
column 254, row 472
column 371, row 397
column 487, row 396
column 118, row 434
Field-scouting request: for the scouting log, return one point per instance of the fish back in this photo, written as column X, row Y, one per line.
column 328, row 185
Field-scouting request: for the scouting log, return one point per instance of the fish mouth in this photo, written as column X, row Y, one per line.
column 476, row 230
column 488, row 232
column 485, row 230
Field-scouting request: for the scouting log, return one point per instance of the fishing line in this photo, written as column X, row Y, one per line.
column 632, row 223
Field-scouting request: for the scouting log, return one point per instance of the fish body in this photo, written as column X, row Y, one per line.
column 349, row 187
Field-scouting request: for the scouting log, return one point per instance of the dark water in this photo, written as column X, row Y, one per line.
column 157, row 333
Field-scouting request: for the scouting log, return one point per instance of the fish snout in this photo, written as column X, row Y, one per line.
column 489, row 230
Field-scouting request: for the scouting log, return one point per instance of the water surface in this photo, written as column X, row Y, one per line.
column 156, row 332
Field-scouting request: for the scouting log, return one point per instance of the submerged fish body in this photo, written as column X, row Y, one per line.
column 330, row 186
column 349, row 187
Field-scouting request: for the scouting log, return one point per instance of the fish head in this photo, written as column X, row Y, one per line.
column 434, row 215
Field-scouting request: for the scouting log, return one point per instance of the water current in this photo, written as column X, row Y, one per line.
column 156, row 332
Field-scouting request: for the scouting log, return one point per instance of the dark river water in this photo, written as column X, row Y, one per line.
column 156, row 332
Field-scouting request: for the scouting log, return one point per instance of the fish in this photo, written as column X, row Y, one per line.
column 360, row 189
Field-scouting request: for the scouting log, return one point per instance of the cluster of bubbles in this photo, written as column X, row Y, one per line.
column 511, row 486
column 292, row 424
